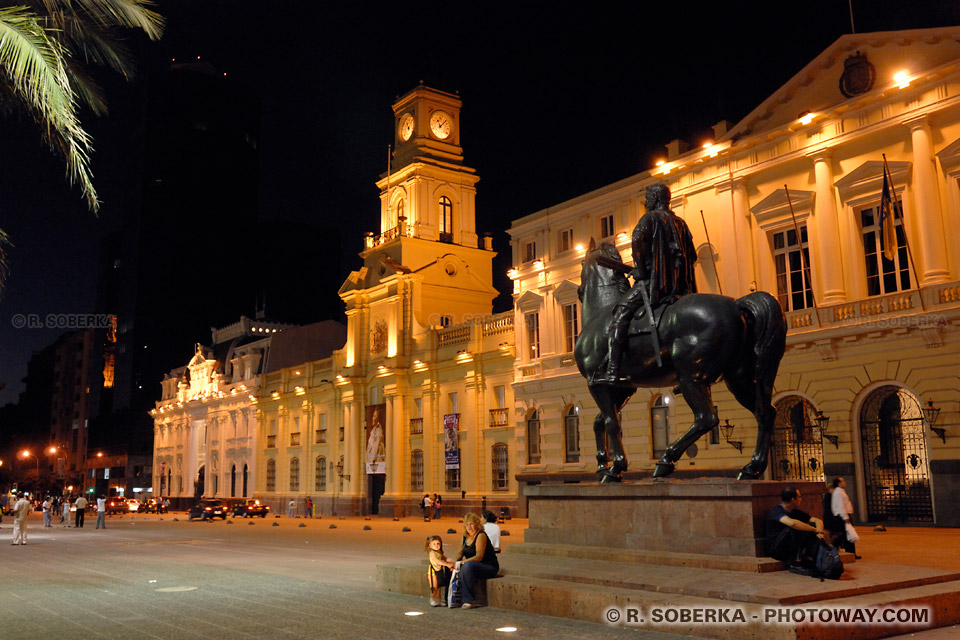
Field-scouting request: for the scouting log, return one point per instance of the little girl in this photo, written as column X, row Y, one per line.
column 439, row 571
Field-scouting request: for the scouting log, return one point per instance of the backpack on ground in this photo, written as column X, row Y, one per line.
column 828, row 564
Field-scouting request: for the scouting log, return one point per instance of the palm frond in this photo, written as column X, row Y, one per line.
column 4, row 266
column 33, row 63
column 135, row 14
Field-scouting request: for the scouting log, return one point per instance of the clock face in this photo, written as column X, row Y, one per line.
column 406, row 127
column 441, row 124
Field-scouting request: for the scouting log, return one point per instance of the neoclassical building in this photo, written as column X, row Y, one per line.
column 206, row 436
column 416, row 395
column 788, row 201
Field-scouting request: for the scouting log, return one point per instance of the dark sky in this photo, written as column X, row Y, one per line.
column 556, row 102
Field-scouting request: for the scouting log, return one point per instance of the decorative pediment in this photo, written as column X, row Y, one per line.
column 529, row 301
column 866, row 181
column 775, row 209
column 567, row 292
column 820, row 85
column 950, row 157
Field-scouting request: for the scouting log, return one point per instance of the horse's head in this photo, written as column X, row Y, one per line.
column 598, row 283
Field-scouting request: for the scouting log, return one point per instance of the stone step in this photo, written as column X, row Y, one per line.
column 587, row 589
column 749, row 564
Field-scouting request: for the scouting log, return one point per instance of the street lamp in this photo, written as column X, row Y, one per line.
column 26, row 454
column 930, row 414
column 823, row 422
column 727, row 432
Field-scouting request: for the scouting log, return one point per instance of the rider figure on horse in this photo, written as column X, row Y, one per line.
column 663, row 255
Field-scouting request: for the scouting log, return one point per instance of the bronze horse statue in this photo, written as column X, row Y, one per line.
column 702, row 338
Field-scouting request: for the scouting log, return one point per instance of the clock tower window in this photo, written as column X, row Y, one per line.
column 446, row 219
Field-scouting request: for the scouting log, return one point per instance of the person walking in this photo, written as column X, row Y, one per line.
column 436, row 506
column 47, row 507
column 65, row 511
column 21, row 509
column 102, row 512
column 292, row 508
column 81, row 505
column 308, row 507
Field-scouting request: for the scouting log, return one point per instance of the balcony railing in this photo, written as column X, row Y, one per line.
column 416, row 425
column 499, row 417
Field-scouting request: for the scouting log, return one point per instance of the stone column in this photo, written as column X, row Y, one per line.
column 827, row 231
column 932, row 252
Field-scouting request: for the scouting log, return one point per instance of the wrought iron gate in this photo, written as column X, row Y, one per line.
column 895, row 463
column 797, row 441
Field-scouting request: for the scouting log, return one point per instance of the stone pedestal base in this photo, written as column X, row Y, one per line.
column 714, row 516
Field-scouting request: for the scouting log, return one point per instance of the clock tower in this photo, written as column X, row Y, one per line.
column 426, row 267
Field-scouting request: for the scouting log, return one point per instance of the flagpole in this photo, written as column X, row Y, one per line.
column 807, row 273
column 713, row 256
column 903, row 223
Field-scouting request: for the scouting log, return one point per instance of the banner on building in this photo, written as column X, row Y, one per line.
column 451, row 440
column 376, row 453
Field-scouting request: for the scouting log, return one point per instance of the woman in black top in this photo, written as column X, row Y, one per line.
column 478, row 559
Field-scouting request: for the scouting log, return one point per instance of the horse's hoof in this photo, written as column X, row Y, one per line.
column 747, row 474
column 663, row 469
column 608, row 477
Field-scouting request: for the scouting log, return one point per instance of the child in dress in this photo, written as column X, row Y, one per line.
column 439, row 571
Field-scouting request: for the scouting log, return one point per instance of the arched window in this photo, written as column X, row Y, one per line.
column 533, row 438
column 320, row 484
column 501, row 467
column 416, row 470
column 271, row 475
column 295, row 474
column 244, row 481
column 571, row 435
column 659, row 427
column 446, row 219
column 399, row 209
column 233, row 481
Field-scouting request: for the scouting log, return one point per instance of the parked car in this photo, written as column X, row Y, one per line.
column 148, row 506
column 133, row 505
column 208, row 509
column 249, row 508
column 115, row 504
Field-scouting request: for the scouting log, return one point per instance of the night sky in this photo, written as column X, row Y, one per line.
column 556, row 103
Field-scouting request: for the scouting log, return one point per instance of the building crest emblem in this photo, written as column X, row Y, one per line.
column 378, row 337
column 858, row 75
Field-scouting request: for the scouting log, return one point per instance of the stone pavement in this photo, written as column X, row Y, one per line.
column 256, row 580
column 166, row 579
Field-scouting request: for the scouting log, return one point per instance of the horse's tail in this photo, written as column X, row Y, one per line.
column 769, row 329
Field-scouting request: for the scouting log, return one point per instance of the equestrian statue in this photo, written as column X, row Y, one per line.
column 660, row 332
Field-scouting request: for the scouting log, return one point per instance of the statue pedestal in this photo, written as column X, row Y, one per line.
column 713, row 516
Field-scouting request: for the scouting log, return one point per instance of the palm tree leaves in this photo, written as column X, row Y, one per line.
column 41, row 48
column 34, row 66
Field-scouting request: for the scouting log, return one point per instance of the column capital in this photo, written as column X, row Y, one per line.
column 917, row 122
column 822, row 154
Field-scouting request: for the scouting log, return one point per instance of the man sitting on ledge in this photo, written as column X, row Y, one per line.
column 791, row 534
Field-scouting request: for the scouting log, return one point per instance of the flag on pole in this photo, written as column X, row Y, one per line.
column 888, row 231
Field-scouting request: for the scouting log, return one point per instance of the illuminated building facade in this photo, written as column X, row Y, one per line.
column 205, row 424
column 422, row 352
column 791, row 200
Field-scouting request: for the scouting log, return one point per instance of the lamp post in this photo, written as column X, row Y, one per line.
column 930, row 415
column 26, row 454
column 823, row 422
column 727, row 432
column 341, row 475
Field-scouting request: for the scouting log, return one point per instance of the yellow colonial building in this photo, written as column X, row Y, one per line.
column 788, row 201
column 416, row 396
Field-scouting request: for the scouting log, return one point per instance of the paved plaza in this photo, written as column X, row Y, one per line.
column 147, row 577
column 143, row 577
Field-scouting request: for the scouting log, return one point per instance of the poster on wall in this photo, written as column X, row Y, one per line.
column 376, row 453
column 451, row 441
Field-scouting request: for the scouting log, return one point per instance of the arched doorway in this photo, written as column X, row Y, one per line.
column 233, row 481
column 893, row 447
column 245, row 494
column 797, row 446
